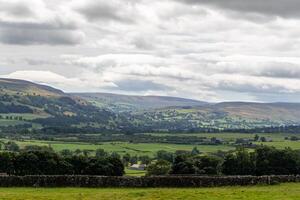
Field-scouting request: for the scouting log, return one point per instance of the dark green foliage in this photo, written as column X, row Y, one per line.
column 12, row 146
column 161, row 167
column 13, row 108
column 145, row 159
column 239, row 163
column 164, row 155
column 47, row 162
column 272, row 161
column 183, row 165
column 263, row 161
column 209, row 165
column 6, row 162
column 100, row 153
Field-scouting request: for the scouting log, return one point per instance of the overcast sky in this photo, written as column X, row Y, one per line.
column 213, row 50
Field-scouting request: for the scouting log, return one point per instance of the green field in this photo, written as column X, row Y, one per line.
column 278, row 141
column 124, row 147
column 228, row 136
column 130, row 172
column 278, row 192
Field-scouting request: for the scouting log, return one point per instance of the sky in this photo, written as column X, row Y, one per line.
column 212, row 50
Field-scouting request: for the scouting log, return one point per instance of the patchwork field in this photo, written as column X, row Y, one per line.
column 276, row 140
column 124, row 147
column 277, row 192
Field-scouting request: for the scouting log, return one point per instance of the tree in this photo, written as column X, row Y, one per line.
column 66, row 152
column 263, row 139
column 164, row 155
column 100, row 153
column 183, row 165
column 134, row 160
column 26, row 164
column 145, row 159
column 126, row 159
column 195, row 151
column 256, row 137
column 210, row 165
column 6, row 162
column 12, row 146
column 239, row 163
column 271, row 161
column 160, row 167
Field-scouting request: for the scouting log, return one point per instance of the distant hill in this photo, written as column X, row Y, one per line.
column 21, row 87
column 24, row 104
column 27, row 103
column 119, row 102
column 285, row 112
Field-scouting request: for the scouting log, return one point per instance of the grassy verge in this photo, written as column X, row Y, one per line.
column 278, row 192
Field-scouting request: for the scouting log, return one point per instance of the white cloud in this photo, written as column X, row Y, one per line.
column 201, row 49
column 32, row 22
column 85, row 83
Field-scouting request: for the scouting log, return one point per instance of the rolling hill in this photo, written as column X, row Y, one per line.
column 28, row 105
column 21, row 87
column 119, row 103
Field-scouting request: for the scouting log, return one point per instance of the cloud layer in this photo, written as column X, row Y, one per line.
column 206, row 49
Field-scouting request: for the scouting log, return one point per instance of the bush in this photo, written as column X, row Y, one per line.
column 161, row 167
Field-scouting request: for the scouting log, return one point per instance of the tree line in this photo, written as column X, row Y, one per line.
column 47, row 162
column 262, row 161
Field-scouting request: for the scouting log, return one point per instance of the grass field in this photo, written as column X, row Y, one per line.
column 150, row 149
column 124, row 147
column 278, row 192
column 130, row 172
column 229, row 136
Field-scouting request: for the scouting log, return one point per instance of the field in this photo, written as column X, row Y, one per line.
column 278, row 141
column 124, row 147
column 130, row 172
column 278, row 192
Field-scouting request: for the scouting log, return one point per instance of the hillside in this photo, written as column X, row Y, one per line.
column 21, row 87
column 120, row 103
column 26, row 105
column 29, row 105
column 232, row 115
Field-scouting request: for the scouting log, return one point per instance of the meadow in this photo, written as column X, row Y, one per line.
column 123, row 147
column 278, row 141
column 289, row 191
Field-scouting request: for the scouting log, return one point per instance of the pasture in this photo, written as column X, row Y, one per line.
column 289, row 191
column 123, row 147
column 277, row 140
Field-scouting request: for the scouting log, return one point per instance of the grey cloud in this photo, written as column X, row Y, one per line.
column 262, row 69
column 105, row 10
column 19, row 10
column 282, row 8
column 146, row 43
column 20, row 36
column 140, row 85
column 56, row 24
column 281, row 70
column 32, row 23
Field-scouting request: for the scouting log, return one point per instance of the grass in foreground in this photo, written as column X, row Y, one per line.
column 278, row 192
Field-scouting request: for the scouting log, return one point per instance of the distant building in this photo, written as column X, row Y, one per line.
column 138, row 167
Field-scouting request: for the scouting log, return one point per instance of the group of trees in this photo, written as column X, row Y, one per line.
column 47, row 162
column 262, row 161
column 13, row 108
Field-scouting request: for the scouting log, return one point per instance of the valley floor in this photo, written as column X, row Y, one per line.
column 278, row 192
